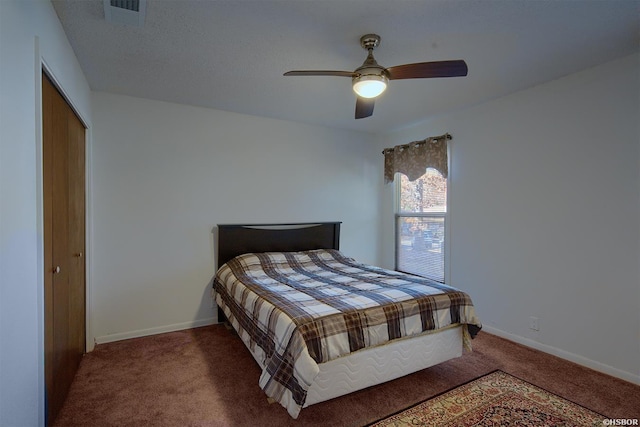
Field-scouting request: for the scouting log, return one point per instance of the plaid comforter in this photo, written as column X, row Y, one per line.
column 297, row 309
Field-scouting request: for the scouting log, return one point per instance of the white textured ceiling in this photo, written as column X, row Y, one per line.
column 231, row 55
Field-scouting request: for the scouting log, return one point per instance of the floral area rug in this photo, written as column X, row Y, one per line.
column 496, row 399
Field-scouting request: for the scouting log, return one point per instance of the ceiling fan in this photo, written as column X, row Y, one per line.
column 370, row 79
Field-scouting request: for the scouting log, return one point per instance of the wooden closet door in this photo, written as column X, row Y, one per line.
column 77, row 278
column 55, row 195
column 64, row 230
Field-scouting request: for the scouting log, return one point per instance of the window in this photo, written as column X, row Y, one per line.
column 421, row 208
column 421, row 204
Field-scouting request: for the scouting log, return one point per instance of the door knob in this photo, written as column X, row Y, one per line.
column 79, row 255
column 56, row 270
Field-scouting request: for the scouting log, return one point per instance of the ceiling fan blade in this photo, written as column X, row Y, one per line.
column 424, row 70
column 364, row 107
column 319, row 73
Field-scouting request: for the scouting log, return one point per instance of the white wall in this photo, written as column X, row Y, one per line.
column 165, row 174
column 29, row 33
column 545, row 215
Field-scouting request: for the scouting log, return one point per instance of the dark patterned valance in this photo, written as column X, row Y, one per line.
column 414, row 158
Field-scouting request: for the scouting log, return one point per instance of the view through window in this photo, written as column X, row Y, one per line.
column 420, row 224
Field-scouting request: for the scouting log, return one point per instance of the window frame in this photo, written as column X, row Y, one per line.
column 444, row 215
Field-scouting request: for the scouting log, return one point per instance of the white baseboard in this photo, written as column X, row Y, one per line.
column 153, row 331
column 580, row 360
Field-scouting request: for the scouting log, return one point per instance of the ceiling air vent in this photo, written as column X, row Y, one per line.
column 129, row 12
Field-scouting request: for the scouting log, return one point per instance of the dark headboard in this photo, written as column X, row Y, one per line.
column 238, row 239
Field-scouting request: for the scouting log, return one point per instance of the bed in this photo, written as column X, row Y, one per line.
column 322, row 325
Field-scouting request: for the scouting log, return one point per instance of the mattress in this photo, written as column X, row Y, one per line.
column 377, row 365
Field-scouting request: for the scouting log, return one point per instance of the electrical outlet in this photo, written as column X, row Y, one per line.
column 534, row 323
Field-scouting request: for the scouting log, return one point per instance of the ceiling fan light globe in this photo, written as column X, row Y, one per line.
column 369, row 86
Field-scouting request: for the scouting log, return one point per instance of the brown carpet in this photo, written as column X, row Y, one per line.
column 496, row 399
column 206, row 377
